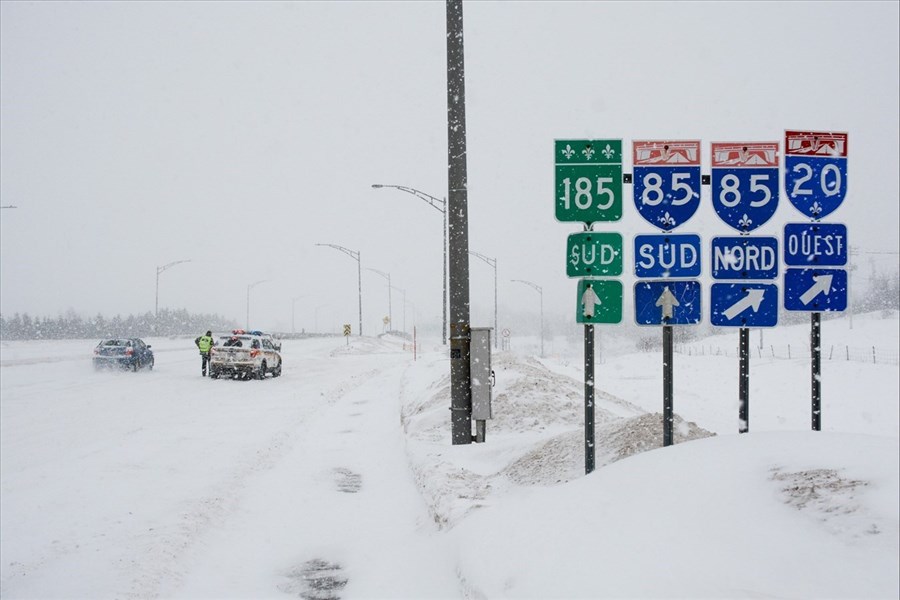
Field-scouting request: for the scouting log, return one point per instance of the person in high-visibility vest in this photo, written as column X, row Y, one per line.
column 204, row 343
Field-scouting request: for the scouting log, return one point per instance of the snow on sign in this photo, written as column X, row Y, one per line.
column 743, row 304
column 667, row 302
column 667, row 255
column 815, row 244
column 745, row 183
column 588, row 180
column 815, row 171
column 599, row 301
column 815, row 290
column 594, row 253
column 744, row 257
column 666, row 181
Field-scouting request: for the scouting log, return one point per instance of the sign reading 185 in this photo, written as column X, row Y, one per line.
column 588, row 180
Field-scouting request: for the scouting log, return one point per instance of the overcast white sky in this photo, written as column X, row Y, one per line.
column 239, row 135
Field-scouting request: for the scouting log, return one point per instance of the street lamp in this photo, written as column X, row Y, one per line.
column 388, row 277
column 492, row 262
column 402, row 291
column 158, row 271
column 541, row 292
column 441, row 206
column 354, row 254
column 250, row 287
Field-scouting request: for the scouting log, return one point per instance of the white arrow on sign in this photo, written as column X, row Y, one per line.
column 667, row 300
column 589, row 300
column 752, row 300
column 822, row 285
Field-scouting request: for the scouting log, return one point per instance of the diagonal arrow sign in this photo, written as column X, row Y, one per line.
column 822, row 285
column 753, row 299
column 666, row 301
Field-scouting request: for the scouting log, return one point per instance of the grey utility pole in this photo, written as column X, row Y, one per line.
column 354, row 254
column 493, row 263
column 441, row 206
column 541, row 292
column 388, row 277
column 458, row 228
column 158, row 271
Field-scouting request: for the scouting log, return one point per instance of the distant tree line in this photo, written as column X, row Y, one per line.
column 73, row 326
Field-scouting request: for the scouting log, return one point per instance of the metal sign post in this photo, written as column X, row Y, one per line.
column 668, row 387
column 815, row 179
column 589, row 190
column 744, row 382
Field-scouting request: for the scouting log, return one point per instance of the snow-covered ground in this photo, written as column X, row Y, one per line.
column 338, row 479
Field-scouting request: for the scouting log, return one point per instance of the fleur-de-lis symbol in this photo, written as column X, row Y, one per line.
column 667, row 221
column 608, row 151
column 815, row 209
column 588, row 152
column 745, row 222
column 568, row 152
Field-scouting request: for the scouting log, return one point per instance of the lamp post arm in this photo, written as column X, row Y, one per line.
column 491, row 261
column 537, row 287
column 436, row 203
column 351, row 253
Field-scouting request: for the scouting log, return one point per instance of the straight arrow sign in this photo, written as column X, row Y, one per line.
column 666, row 302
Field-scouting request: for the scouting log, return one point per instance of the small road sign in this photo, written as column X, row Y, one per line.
column 667, row 302
column 588, row 180
column 346, row 329
column 815, row 290
column 743, row 304
column 592, row 254
column 815, row 171
column 599, row 301
column 666, row 181
column 745, row 183
column 667, row 255
column 505, row 333
column 744, row 257
column 815, row 244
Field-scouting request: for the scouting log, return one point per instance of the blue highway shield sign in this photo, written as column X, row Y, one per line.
column 745, row 183
column 815, row 290
column 815, row 171
column 743, row 304
column 667, row 255
column 815, row 245
column 667, row 181
column 744, row 257
column 667, row 302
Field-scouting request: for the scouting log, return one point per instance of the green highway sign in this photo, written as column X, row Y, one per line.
column 588, row 180
column 599, row 301
column 594, row 254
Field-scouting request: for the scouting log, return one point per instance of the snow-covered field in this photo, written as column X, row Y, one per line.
column 338, row 479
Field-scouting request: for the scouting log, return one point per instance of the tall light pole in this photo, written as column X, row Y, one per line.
column 541, row 292
column 158, row 271
column 402, row 291
column 441, row 206
column 492, row 262
column 354, row 254
column 388, row 277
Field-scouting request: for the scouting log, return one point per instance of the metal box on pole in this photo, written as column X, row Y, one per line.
column 481, row 378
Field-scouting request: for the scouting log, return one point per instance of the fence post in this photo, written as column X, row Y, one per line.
column 873, row 355
column 789, row 351
column 772, row 346
column 848, row 352
column 831, row 352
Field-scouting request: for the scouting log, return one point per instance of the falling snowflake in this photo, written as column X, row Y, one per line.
column 568, row 152
column 608, row 151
